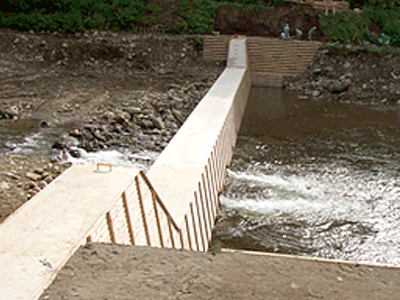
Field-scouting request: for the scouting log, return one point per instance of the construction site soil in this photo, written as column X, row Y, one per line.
column 102, row 271
column 126, row 91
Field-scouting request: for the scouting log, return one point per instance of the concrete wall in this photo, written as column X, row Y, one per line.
column 190, row 172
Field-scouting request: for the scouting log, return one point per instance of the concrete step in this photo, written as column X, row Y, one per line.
column 267, row 55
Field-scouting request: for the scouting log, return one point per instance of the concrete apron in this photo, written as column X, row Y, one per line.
column 39, row 238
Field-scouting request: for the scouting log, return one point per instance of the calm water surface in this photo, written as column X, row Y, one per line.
column 314, row 178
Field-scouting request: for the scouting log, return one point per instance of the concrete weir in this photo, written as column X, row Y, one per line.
column 173, row 206
column 190, row 172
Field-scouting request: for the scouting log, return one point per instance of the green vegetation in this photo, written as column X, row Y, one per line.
column 73, row 15
column 189, row 16
column 355, row 28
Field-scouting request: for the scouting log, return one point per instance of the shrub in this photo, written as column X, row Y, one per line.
column 346, row 27
column 387, row 19
column 73, row 15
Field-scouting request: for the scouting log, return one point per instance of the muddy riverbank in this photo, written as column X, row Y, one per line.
column 349, row 76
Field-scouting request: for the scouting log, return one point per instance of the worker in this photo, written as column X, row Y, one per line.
column 311, row 32
column 286, row 30
column 299, row 33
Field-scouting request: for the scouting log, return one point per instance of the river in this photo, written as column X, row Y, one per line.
column 314, row 178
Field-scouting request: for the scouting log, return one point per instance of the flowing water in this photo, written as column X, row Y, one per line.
column 314, row 178
column 27, row 138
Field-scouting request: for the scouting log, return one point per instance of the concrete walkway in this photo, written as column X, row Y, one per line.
column 40, row 237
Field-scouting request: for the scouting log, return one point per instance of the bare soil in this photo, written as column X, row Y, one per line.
column 102, row 271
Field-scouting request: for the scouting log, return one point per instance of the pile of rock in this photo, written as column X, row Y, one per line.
column 21, row 178
column 350, row 77
column 146, row 123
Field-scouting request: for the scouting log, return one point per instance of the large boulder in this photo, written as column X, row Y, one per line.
column 336, row 86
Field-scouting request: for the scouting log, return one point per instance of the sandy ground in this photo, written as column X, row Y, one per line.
column 103, row 271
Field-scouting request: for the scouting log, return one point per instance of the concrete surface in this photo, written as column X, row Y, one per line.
column 41, row 236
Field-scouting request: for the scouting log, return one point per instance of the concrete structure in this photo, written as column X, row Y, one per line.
column 173, row 206
column 188, row 176
column 38, row 239
column 270, row 59
column 176, row 203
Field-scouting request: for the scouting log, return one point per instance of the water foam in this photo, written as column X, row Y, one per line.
column 337, row 203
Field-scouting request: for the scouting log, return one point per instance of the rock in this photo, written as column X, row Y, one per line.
column 4, row 185
column 158, row 122
column 76, row 133
column 123, row 118
column 11, row 145
column 49, row 179
column 33, row 176
column 44, row 124
column 144, row 123
column 12, row 111
column 336, row 86
column 46, row 174
column 171, row 125
column 316, row 93
column 30, row 185
column 108, row 115
column 42, row 184
column 177, row 99
column 12, row 175
column 317, row 71
column 39, row 58
column 39, row 171
column 74, row 153
column 178, row 116
column 98, row 135
column 329, row 70
column 133, row 110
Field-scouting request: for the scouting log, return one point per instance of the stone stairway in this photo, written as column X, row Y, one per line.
column 216, row 47
column 270, row 59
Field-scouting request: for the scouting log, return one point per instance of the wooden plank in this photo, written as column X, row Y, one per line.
column 110, row 228
column 200, row 222
column 153, row 198
column 142, row 212
column 128, row 218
